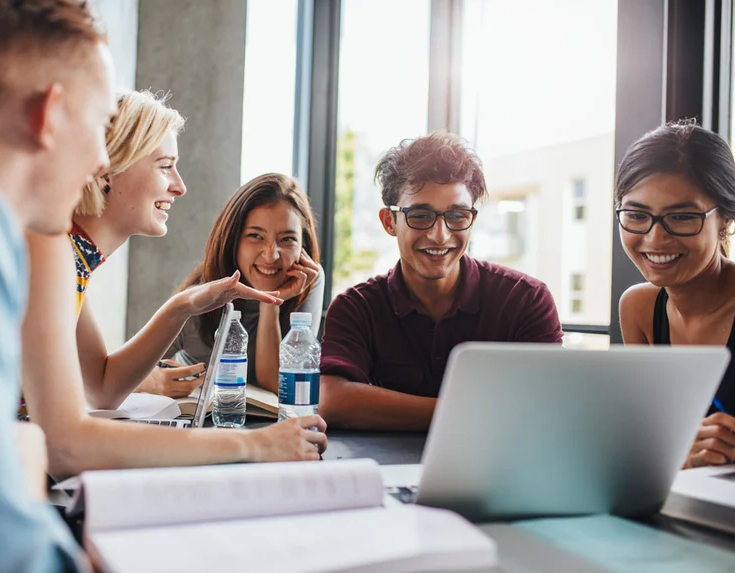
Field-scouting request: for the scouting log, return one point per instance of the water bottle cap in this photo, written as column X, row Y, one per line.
column 301, row 318
column 236, row 315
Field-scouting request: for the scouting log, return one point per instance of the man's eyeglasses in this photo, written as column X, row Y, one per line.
column 421, row 218
column 679, row 224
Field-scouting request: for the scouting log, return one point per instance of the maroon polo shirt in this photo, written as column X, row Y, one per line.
column 375, row 333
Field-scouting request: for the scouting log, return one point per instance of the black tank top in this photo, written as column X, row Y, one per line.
column 726, row 391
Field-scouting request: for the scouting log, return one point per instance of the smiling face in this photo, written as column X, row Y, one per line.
column 270, row 245
column 667, row 260
column 140, row 197
column 432, row 254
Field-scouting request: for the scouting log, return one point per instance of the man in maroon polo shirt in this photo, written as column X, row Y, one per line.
column 386, row 341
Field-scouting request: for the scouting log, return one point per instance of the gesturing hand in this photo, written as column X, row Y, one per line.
column 301, row 275
column 290, row 440
column 212, row 295
column 715, row 442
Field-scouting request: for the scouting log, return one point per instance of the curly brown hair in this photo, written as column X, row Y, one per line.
column 440, row 157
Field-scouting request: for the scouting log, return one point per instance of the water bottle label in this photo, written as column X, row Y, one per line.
column 231, row 372
column 298, row 388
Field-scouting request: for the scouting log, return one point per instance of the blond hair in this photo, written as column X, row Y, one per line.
column 142, row 121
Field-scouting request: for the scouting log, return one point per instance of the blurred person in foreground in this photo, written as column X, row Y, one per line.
column 56, row 101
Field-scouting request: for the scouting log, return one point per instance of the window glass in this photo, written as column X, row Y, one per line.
column 586, row 341
column 268, row 112
column 538, row 105
column 383, row 99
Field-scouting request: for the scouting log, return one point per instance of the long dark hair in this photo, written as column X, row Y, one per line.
column 220, row 258
column 683, row 148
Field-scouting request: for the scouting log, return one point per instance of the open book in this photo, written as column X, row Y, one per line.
column 141, row 405
column 290, row 517
column 259, row 401
column 705, row 496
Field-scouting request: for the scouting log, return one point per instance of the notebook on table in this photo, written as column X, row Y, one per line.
column 141, row 406
column 260, row 402
column 705, row 496
column 292, row 517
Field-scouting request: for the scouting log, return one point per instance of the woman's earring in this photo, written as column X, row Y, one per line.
column 106, row 189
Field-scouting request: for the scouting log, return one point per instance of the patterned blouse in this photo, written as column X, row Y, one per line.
column 87, row 257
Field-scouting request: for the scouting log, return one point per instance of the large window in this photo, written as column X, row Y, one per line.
column 383, row 98
column 268, row 113
column 538, row 104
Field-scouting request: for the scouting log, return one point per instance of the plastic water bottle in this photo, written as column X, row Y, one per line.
column 228, row 403
column 298, row 375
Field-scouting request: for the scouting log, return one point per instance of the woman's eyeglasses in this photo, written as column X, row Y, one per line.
column 679, row 224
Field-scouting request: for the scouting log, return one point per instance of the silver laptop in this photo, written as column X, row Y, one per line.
column 205, row 390
column 523, row 430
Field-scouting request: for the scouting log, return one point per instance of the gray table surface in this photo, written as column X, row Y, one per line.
column 520, row 552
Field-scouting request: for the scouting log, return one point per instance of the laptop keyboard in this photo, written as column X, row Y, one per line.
column 403, row 494
column 167, row 423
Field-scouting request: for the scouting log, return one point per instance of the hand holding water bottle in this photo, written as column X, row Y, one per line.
column 290, row 440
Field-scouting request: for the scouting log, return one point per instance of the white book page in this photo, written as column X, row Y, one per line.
column 712, row 484
column 402, row 540
column 117, row 499
column 141, row 405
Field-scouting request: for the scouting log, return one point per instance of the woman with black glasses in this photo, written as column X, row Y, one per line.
column 675, row 205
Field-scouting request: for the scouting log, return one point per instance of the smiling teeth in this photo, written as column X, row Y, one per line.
column 267, row 272
column 437, row 253
column 162, row 205
column 661, row 259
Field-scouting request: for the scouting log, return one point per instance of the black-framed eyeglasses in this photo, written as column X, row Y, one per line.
column 421, row 218
column 679, row 224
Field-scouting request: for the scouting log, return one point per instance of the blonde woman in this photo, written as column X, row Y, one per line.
column 66, row 360
column 134, row 196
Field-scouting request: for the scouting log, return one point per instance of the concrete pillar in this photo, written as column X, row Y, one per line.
column 196, row 50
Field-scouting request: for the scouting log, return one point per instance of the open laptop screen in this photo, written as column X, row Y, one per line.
column 205, row 394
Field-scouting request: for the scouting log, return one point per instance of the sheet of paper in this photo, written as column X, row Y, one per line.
column 141, row 405
column 144, row 497
column 620, row 545
column 712, row 484
column 408, row 539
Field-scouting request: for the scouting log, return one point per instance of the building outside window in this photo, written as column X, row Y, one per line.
column 538, row 120
column 576, row 294
column 578, row 199
column 383, row 99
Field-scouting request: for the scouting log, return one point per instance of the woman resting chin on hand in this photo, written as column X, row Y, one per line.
column 675, row 204
column 266, row 233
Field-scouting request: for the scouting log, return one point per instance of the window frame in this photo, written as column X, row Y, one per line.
column 673, row 61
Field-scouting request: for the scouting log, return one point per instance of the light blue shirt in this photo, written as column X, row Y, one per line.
column 33, row 538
